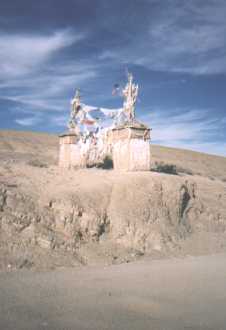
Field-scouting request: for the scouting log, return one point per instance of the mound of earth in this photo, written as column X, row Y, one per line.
column 51, row 217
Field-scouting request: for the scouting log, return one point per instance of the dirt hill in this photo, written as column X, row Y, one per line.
column 51, row 217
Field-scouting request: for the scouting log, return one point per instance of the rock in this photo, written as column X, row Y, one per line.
column 44, row 242
column 25, row 263
column 3, row 196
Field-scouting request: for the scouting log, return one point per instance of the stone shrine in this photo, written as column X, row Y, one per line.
column 87, row 143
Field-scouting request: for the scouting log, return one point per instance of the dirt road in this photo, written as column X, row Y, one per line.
column 159, row 294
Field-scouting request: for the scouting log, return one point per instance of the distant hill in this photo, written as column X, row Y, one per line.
column 23, row 146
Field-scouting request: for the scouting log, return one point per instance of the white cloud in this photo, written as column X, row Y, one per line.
column 19, row 54
column 46, row 91
column 60, row 121
column 190, row 130
column 53, row 119
column 28, row 121
column 188, row 37
column 37, row 85
column 213, row 148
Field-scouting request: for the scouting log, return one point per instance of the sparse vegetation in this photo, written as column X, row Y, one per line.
column 37, row 163
column 184, row 170
column 165, row 168
column 173, row 169
column 107, row 163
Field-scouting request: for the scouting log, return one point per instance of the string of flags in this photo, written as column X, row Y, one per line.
column 116, row 89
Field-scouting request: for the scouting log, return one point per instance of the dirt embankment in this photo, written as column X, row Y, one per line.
column 50, row 217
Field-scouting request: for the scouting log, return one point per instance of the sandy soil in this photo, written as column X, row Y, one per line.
column 51, row 217
column 89, row 225
column 171, row 294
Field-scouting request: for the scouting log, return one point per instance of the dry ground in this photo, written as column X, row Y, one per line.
column 88, row 224
column 173, row 294
column 24, row 146
column 51, row 217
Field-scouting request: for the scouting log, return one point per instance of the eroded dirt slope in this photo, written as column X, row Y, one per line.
column 51, row 217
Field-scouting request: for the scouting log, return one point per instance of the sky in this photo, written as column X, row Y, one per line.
column 176, row 50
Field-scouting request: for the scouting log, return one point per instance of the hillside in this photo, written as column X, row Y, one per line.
column 191, row 162
column 22, row 146
column 51, row 217
column 19, row 146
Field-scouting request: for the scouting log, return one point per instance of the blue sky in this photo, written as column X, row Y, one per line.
column 176, row 50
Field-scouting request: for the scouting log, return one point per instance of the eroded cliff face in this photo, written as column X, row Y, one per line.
column 49, row 217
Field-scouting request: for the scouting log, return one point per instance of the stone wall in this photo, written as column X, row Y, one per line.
column 70, row 152
column 129, row 132
column 128, row 146
column 74, row 153
column 131, row 155
column 131, row 148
